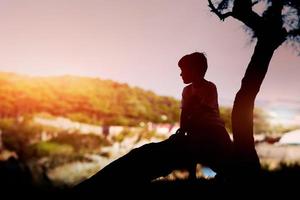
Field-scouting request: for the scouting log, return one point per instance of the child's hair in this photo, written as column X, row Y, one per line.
column 195, row 61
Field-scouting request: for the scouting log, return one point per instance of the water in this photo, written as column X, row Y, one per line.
column 208, row 173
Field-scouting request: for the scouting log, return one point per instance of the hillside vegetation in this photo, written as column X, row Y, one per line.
column 89, row 100
column 97, row 101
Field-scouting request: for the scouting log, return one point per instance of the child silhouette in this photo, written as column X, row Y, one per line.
column 201, row 138
column 206, row 137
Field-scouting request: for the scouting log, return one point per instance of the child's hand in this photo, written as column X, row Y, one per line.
column 179, row 138
column 180, row 131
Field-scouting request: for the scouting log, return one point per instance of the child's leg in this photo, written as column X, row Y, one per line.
column 192, row 170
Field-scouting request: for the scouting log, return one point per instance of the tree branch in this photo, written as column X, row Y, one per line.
column 222, row 16
column 294, row 33
column 242, row 10
column 255, row 2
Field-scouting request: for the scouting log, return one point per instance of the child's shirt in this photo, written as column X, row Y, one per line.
column 200, row 105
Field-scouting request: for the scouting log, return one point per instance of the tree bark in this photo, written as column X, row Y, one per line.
column 242, row 113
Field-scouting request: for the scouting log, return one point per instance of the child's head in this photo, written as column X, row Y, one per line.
column 193, row 67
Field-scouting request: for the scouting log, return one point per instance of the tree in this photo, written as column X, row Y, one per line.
column 279, row 23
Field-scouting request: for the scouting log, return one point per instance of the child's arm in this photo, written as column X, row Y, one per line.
column 183, row 120
column 213, row 97
column 184, row 112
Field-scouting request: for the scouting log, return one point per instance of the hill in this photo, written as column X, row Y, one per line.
column 97, row 101
column 90, row 100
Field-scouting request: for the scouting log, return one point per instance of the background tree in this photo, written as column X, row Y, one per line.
column 278, row 23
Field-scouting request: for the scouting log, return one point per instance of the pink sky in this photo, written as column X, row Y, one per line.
column 138, row 42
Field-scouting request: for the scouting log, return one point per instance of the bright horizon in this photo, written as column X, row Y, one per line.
column 139, row 43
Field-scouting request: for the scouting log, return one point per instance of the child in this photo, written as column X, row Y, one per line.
column 200, row 122
column 202, row 137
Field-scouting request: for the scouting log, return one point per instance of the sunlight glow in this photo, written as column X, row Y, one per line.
column 50, row 71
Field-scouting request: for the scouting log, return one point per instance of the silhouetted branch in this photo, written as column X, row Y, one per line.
column 222, row 16
column 273, row 13
column 254, row 3
column 242, row 10
column 294, row 33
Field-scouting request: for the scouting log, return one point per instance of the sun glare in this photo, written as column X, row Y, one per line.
column 45, row 72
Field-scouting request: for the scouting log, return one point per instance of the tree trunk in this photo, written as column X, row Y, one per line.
column 242, row 113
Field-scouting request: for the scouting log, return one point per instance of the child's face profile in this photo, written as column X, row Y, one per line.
column 187, row 75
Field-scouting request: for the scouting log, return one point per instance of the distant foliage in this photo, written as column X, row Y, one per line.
column 81, row 143
column 42, row 149
column 92, row 100
column 25, row 138
column 89, row 100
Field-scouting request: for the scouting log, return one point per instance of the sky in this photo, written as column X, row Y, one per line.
column 139, row 43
